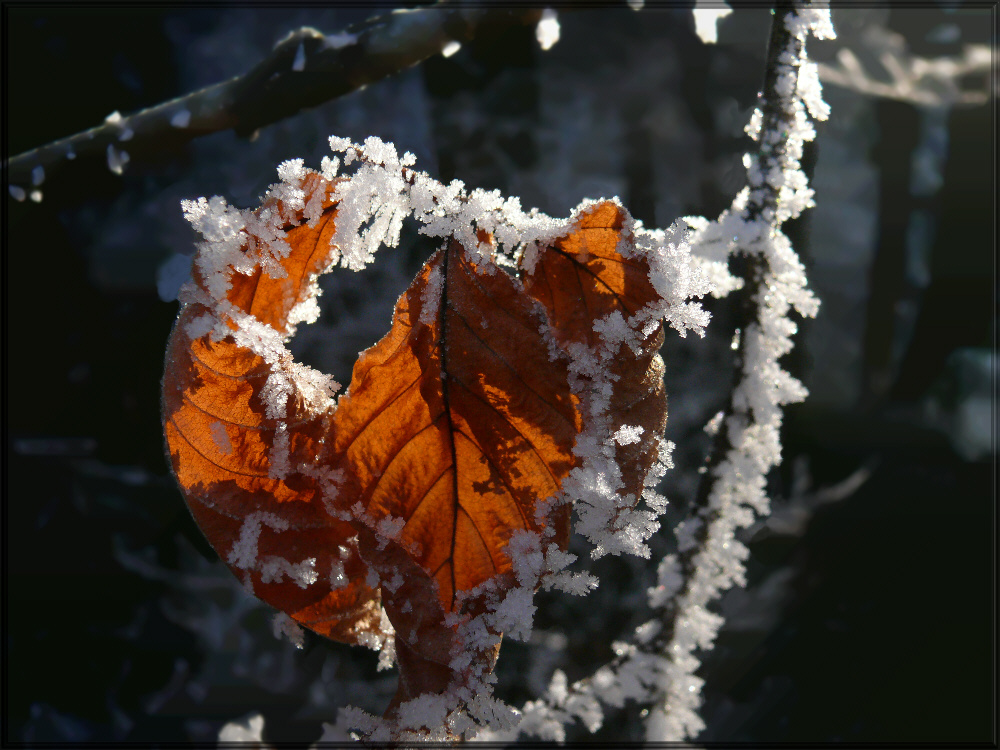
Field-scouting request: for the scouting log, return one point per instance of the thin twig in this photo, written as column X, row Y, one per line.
column 750, row 267
column 659, row 662
column 304, row 69
column 928, row 82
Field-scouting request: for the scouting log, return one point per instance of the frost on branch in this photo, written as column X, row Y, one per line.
column 778, row 191
column 420, row 512
column 930, row 82
column 658, row 666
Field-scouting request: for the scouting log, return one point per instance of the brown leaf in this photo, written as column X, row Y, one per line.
column 222, row 442
column 455, row 428
column 456, row 424
column 582, row 276
column 580, row 279
column 271, row 299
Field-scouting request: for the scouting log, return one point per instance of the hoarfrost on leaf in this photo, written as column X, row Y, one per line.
column 628, row 434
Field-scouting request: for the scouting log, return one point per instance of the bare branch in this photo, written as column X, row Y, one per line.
column 304, row 69
column 658, row 665
column 931, row 82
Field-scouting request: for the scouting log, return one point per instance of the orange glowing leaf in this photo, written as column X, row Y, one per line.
column 585, row 276
column 455, row 426
column 234, row 455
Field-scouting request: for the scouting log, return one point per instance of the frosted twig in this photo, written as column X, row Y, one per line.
column 929, row 82
column 710, row 558
column 658, row 666
column 304, row 69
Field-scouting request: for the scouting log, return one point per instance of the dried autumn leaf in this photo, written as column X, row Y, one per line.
column 595, row 287
column 455, row 426
column 238, row 421
column 419, row 513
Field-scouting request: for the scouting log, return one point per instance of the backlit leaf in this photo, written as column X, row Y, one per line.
column 591, row 276
column 456, row 424
column 429, row 495
column 233, row 455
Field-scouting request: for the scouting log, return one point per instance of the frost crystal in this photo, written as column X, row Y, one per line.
column 706, row 19
column 284, row 626
column 302, row 574
column 180, row 119
column 117, row 159
column 628, row 434
column 547, row 30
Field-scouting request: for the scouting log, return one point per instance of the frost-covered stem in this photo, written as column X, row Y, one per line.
column 749, row 266
column 658, row 666
column 303, row 70
column 747, row 445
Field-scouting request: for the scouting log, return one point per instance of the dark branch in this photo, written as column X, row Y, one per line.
column 277, row 87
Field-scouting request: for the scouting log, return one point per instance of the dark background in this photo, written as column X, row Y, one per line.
column 867, row 618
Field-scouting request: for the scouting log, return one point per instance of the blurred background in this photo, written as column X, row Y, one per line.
column 869, row 614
